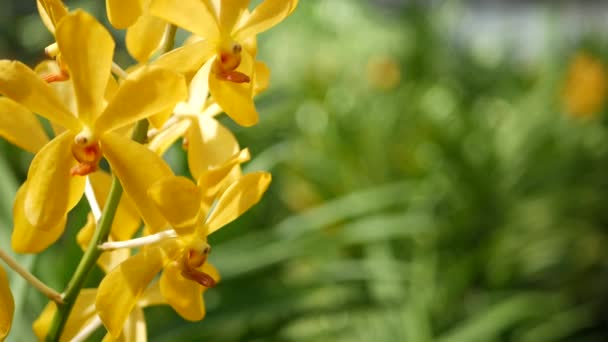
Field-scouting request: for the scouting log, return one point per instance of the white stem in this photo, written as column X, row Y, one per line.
column 90, row 195
column 139, row 242
column 118, row 71
column 87, row 330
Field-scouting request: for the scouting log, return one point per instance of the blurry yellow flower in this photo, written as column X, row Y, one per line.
column 383, row 72
column 586, row 86
column 7, row 306
column 186, row 272
column 229, row 32
column 87, row 50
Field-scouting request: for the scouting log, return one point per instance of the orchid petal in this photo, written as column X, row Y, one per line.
column 121, row 289
column 192, row 15
column 27, row 238
column 238, row 198
column 213, row 181
column 146, row 92
column 265, row 16
column 51, row 11
column 184, row 295
column 152, row 296
column 262, row 77
column 19, row 126
column 22, row 85
column 230, row 12
column 236, row 98
column 210, row 145
column 7, row 304
column 46, row 201
column 179, row 201
column 199, row 87
column 135, row 327
column 144, row 37
column 86, row 49
column 137, row 168
column 187, row 58
column 123, row 13
column 163, row 140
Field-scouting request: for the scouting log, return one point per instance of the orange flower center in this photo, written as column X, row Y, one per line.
column 228, row 59
column 87, row 151
column 192, row 261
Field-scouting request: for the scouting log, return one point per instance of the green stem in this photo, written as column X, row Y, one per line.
column 92, row 253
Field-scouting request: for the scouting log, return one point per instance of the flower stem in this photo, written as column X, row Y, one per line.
column 30, row 278
column 92, row 253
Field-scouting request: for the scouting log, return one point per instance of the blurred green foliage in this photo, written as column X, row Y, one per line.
column 423, row 190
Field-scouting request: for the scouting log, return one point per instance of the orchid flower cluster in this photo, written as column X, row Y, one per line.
column 147, row 228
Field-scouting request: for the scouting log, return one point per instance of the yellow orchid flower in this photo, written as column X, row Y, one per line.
column 7, row 306
column 228, row 30
column 213, row 151
column 87, row 50
column 186, row 272
column 83, row 318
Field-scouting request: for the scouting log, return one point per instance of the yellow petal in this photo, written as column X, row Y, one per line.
column 137, row 168
column 82, row 314
column 51, row 11
column 135, row 327
column 120, row 290
column 27, row 238
column 187, row 58
column 266, row 15
column 230, row 12
column 46, row 201
column 152, row 296
column 236, row 98
column 262, row 77
column 210, row 145
column 158, row 120
column 199, row 88
column 179, row 201
column 22, row 85
column 123, row 13
column 64, row 90
column 144, row 37
column 163, row 140
column 19, row 126
column 127, row 220
column 7, row 304
column 192, row 15
column 214, row 181
column 87, row 49
column 146, row 92
column 238, row 198
column 184, row 295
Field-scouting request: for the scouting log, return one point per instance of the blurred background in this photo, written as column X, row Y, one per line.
column 440, row 174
